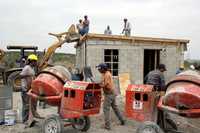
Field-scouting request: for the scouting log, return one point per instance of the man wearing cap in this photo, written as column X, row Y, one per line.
column 156, row 78
column 109, row 95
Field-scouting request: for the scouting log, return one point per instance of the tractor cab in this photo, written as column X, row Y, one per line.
column 23, row 52
column 10, row 73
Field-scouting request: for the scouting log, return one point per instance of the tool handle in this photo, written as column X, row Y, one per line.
column 35, row 96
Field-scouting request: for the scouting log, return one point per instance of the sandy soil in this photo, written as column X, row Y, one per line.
column 186, row 125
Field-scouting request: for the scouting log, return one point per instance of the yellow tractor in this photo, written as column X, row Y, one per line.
column 11, row 76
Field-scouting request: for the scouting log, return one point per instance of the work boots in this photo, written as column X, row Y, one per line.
column 123, row 122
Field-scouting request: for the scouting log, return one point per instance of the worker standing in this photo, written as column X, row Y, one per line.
column 27, row 75
column 127, row 28
column 108, row 31
column 156, row 78
column 109, row 95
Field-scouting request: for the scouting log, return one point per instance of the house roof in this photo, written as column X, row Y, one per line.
column 93, row 36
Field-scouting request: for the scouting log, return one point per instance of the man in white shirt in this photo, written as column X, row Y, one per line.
column 27, row 75
column 127, row 28
column 108, row 31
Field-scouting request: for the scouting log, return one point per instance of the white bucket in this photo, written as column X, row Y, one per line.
column 10, row 117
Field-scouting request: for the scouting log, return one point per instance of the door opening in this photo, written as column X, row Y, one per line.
column 151, row 60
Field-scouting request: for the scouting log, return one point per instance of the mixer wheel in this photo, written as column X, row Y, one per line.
column 82, row 124
column 149, row 127
column 52, row 124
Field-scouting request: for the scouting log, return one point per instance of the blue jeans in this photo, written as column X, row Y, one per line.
column 84, row 31
column 25, row 106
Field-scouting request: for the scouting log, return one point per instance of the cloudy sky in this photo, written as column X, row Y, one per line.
column 29, row 21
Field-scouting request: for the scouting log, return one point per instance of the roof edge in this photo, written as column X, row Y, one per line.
column 133, row 38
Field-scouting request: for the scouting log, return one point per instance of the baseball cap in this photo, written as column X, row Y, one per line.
column 102, row 66
column 162, row 66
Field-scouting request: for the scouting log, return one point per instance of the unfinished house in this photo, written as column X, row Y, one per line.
column 134, row 55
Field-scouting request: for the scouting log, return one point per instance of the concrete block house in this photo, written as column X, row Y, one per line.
column 134, row 55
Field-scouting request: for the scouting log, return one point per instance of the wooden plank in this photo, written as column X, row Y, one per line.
column 124, row 81
column 133, row 38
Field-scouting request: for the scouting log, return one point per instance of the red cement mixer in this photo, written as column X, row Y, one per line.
column 151, row 107
column 183, row 95
column 75, row 100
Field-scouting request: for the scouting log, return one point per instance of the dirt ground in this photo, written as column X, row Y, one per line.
column 185, row 125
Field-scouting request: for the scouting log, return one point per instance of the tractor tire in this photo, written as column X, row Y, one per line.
column 52, row 124
column 82, row 124
column 14, row 81
column 149, row 127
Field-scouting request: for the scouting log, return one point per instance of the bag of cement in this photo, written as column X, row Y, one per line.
column 10, row 117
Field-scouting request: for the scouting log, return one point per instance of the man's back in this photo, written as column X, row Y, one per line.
column 155, row 78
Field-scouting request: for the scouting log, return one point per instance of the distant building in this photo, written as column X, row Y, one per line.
column 135, row 55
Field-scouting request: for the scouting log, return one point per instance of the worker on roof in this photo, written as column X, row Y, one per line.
column 108, row 31
column 127, row 28
column 27, row 75
column 86, row 24
column 156, row 78
column 180, row 69
column 109, row 95
column 79, row 26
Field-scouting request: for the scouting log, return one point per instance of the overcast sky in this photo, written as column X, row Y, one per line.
column 29, row 21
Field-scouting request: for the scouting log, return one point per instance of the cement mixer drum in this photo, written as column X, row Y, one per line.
column 183, row 91
column 50, row 82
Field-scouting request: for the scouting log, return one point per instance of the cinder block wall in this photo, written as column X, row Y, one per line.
column 131, row 57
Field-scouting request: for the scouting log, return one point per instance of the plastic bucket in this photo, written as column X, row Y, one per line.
column 10, row 117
